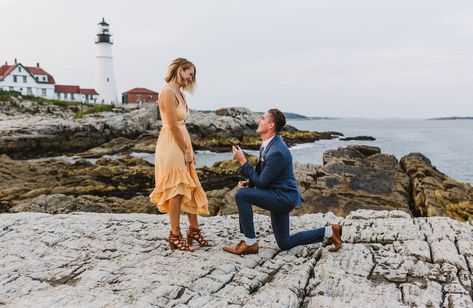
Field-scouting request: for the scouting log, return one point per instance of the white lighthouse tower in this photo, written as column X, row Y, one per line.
column 104, row 75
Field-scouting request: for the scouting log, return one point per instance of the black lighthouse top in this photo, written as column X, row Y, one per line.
column 103, row 33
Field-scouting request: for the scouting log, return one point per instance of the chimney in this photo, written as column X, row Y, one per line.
column 15, row 61
column 37, row 64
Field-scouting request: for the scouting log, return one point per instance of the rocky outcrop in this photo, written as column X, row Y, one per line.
column 367, row 138
column 37, row 129
column 388, row 259
column 218, row 131
column 30, row 132
column 355, row 177
column 118, row 186
column 435, row 194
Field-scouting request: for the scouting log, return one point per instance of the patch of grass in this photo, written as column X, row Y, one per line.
column 6, row 95
column 94, row 109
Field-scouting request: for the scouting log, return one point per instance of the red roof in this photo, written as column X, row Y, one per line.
column 88, row 91
column 66, row 89
column 140, row 91
column 6, row 69
column 39, row 71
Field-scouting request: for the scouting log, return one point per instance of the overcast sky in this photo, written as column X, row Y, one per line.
column 365, row 58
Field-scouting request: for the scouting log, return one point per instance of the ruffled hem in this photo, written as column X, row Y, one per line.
column 178, row 182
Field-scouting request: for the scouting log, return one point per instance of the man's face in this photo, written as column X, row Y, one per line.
column 265, row 124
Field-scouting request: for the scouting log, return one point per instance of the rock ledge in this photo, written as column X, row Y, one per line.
column 112, row 260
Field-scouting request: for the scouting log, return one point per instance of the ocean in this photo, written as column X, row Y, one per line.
column 447, row 143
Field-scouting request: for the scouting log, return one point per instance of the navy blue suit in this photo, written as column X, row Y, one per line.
column 273, row 186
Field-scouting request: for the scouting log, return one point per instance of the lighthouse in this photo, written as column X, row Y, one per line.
column 104, row 74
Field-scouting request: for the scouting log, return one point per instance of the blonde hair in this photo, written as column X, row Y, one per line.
column 173, row 73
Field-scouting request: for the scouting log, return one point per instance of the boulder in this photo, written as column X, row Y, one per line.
column 434, row 193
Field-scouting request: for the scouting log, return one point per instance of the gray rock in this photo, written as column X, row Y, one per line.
column 116, row 260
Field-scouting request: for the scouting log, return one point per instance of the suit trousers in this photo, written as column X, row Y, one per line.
column 267, row 199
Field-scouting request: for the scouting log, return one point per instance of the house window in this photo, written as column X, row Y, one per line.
column 28, row 91
column 19, row 69
column 65, row 95
column 11, row 88
column 14, row 78
column 44, row 78
column 24, row 79
column 43, row 92
column 108, row 79
column 72, row 96
column 58, row 96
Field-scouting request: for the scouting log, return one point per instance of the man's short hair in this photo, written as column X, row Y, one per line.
column 278, row 118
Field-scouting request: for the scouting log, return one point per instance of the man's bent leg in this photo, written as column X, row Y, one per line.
column 280, row 224
column 245, row 213
column 263, row 198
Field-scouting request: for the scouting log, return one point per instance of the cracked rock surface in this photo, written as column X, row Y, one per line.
column 388, row 259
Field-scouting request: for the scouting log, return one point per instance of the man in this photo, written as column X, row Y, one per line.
column 272, row 186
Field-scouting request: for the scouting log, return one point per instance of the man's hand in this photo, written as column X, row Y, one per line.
column 238, row 154
column 243, row 184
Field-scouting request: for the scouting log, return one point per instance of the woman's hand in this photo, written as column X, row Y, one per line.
column 189, row 156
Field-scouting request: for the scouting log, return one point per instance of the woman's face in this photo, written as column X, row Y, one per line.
column 187, row 76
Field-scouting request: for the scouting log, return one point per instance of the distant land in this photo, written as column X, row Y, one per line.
column 296, row 116
column 289, row 115
column 452, row 118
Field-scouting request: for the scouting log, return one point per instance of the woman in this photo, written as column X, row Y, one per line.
column 177, row 185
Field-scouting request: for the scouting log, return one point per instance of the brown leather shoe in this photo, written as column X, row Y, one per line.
column 242, row 249
column 336, row 238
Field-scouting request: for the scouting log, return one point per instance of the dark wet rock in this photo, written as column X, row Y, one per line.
column 434, row 193
column 367, row 138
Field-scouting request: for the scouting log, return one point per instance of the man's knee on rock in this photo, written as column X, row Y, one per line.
column 283, row 244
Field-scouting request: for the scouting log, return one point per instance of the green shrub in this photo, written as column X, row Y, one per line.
column 6, row 95
column 94, row 109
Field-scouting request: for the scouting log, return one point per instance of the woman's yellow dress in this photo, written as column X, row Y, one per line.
column 173, row 176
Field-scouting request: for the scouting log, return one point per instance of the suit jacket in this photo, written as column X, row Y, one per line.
column 274, row 171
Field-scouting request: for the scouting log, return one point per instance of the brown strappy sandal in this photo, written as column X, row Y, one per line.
column 177, row 241
column 195, row 234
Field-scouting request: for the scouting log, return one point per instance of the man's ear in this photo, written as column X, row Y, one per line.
column 271, row 125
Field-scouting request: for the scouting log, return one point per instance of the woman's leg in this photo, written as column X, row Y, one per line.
column 193, row 222
column 174, row 212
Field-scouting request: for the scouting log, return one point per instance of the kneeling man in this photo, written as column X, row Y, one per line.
column 272, row 186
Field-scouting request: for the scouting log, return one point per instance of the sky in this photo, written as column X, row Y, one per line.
column 334, row 58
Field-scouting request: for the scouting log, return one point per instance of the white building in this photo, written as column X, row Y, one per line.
column 27, row 80
column 105, row 75
column 37, row 82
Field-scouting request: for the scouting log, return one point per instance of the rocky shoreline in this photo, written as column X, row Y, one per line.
column 388, row 259
column 30, row 129
column 351, row 178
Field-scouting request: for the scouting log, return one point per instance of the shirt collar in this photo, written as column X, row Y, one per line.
column 267, row 141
